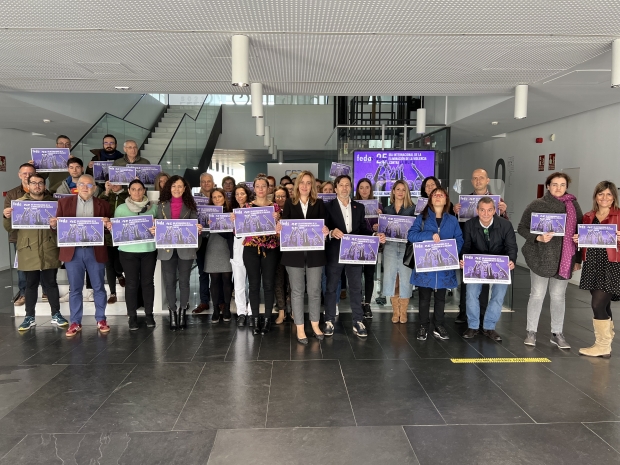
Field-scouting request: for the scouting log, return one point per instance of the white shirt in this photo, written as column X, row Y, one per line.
column 347, row 214
column 486, row 227
column 304, row 207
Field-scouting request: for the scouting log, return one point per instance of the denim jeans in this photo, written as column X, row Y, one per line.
column 494, row 309
column 393, row 265
column 557, row 294
column 84, row 260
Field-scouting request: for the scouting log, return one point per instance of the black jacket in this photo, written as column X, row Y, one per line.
column 314, row 258
column 502, row 239
column 336, row 220
column 98, row 157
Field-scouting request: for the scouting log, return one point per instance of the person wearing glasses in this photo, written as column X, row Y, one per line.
column 282, row 287
column 91, row 259
column 37, row 258
column 107, row 153
column 487, row 234
column 75, row 168
column 55, row 179
column 131, row 156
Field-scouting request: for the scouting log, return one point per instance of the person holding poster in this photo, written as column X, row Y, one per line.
column 601, row 269
column 344, row 216
column 206, row 186
column 487, row 234
column 305, row 267
column 79, row 260
column 551, row 259
column 435, row 223
column 107, row 153
column 176, row 202
column 131, row 156
column 282, row 287
column 241, row 199
column 37, row 258
column 75, row 167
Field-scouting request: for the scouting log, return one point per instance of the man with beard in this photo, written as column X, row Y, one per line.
column 107, row 153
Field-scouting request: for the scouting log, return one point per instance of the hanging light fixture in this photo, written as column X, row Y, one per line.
column 256, row 90
column 274, row 155
column 615, row 63
column 280, row 156
column 240, row 61
column 521, row 101
column 267, row 138
column 260, row 126
column 420, row 126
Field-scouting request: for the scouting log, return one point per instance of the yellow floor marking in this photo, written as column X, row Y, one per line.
column 500, row 360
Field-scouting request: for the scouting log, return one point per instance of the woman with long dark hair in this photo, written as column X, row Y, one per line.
column 241, row 199
column 282, row 288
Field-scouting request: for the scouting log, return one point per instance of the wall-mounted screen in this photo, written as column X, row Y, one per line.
column 384, row 168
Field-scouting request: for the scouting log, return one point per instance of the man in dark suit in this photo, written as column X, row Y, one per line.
column 78, row 260
column 344, row 216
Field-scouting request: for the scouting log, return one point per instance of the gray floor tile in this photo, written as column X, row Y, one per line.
column 608, row 432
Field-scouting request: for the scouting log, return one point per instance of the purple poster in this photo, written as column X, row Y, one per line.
column 250, row 185
column 50, row 160
column 62, row 196
column 32, row 214
column 436, row 256
column 302, row 235
column 370, row 222
column 548, row 223
column 220, row 222
column 228, row 195
column 254, row 221
column 327, row 197
column 422, row 202
column 395, row 227
column 75, row 232
column 339, row 169
column 177, row 234
column 602, row 236
column 491, row 269
column 147, row 173
column 385, row 167
column 358, row 250
column 132, row 230
column 121, row 175
column 371, row 207
column 202, row 199
column 101, row 170
column 469, row 206
column 204, row 210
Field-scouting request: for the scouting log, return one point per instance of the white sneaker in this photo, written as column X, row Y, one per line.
column 337, row 311
column 65, row 298
column 88, row 295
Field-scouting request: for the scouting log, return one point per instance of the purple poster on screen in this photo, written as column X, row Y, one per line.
column 75, row 232
column 548, row 223
column 204, row 210
column 339, row 169
column 302, row 235
column 220, row 222
column 469, row 206
column 176, row 234
column 121, row 175
column 489, row 269
column 422, row 202
column 101, row 170
column 395, row 227
column 358, row 250
column 436, row 256
column 255, row 221
column 50, row 160
column 602, row 236
column 32, row 214
column 327, row 197
column 383, row 168
column 132, row 230
column 250, row 185
column 62, row 196
column 147, row 173
column 371, row 207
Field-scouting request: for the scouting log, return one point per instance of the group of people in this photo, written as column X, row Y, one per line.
column 227, row 262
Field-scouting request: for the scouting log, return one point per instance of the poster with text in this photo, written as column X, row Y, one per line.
column 101, row 170
column 371, row 208
column 302, row 235
column 204, row 210
column 220, row 222
column 62, row 196
column 602, row 236
column 339, row 169
column 422, row 202
column 203, row 199
column 176, row 234
column 542, row 223
column 436, row 256
column 327, row 197
column 358, row 250
column 32, row 214
column 121, row 175
column 50, row 160
column 469, row 206
column 75, row 232
column 132, row 230
column 250, row 185
column 486, row 269
column 254, row 221
column 147, row 173
column 395, row 227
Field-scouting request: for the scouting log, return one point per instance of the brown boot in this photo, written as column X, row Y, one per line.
column 404, row 303
column 603, row 337
column 395, row 309
column 280, row 318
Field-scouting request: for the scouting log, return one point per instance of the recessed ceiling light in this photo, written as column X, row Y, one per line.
column 494, row 123
column 47, row 120
column 37, row 134
column 122, row 87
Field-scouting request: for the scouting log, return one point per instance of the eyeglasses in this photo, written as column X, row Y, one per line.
column 112, row 143
column 439, row 195
column 280, row 197
column 64, row 145
column 83, row 184
column 32, row 183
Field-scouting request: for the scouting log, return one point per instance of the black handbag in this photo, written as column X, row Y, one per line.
column 408, row 258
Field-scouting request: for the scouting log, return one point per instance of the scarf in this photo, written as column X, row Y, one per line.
column 568, row 246
column 137, row 207
column 104, row 156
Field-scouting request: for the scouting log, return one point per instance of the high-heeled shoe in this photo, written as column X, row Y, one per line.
column 174, row 318
column 320, row 337
column 183, row 317
column 280, row 318
column 303, row 340
column 256, row 330
column 266, row 326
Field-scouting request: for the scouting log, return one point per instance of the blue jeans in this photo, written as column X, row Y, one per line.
column 324, row 287
column 84, row 260
column 494, row 309
column 393, row 254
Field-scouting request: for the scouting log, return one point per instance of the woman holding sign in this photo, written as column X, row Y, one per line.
column 550, row 253
column 601, row 269
column 435, row 224
column 241, row 199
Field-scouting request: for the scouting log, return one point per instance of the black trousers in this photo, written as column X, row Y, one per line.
column 369, row 283
column 261, row 266
column 47, row 278
column 354, row 277
column 139, row 270
column 425, row 305
column 221, row 287
column 113, row 268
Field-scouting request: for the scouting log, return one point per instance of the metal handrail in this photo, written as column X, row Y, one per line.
column 134, row 106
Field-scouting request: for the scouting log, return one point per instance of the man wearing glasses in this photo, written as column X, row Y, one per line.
column 75, row 167
column 78, row 260
column 107, row 153
column 488, row 234
column 131, row 156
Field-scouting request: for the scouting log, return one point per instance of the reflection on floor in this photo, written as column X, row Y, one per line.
column 217, row 394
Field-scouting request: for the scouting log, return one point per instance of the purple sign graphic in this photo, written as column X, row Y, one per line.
column 101, row 170
column 32, row 214
column 220, row 222
column 370, row 222
column 147, row 173
column 250, row 185
column 302, row 235
column 255, row 221
column 422, row 202
column 469, row 206
column 601, row 236
column 204, row 200
column 132, row 230
column 491, row 269
column 62, row 196
column 177, row 234
column 436, row 256
column 339, row 169
column 121, row 175
column 229, row 196
column 371, row 207
column 358, row 250
column 384, row 168
column 542, row 223
column 50, row 160
column 395, row 227
column 327, row 197
column 75, row 232
column 204, row 209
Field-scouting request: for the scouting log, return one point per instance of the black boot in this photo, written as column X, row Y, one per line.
column 174, row 319
column 215, row 317
column 183, row 317
column 266, row 326
column 251, row 321
column 226, row 315
column 255, row 322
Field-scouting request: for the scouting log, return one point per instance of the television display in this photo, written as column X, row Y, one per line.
column 383, row 168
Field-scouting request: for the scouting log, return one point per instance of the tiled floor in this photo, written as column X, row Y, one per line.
column 219, row 395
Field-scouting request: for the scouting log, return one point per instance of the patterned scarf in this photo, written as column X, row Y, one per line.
column 568, row 246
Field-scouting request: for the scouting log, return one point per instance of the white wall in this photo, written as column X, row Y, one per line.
column 588, row 141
